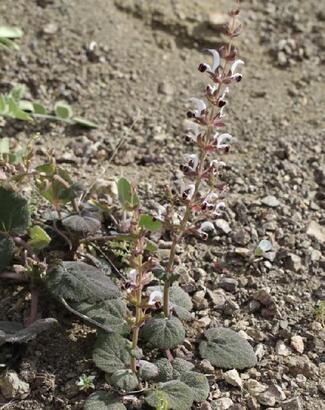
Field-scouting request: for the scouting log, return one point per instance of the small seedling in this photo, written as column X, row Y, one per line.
column 85, row 383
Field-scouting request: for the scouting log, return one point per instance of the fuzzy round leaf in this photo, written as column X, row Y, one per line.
column 147, row 370
column 101, row 400
column 63, row 110
column 180, row 302
column 175, row 393
column 165, row 370
column 78, row 281
column 82, row 224
column 111, row 352
column 181, row 366
column 14, row 212
column 7, row 247
column 124, row 380
column 226, row 349
column 198, row 383
column 110, row 313
column 163, row 333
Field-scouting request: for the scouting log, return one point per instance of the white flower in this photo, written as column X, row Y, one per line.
column 215, row 62
column 222, row 140
column 193, row 131
column 234, row 75
column 192, row 161
column 132, row 276
column 200, row 107
column 156, row 297
column 205, row 228
column 187, row 191
column 217, row 164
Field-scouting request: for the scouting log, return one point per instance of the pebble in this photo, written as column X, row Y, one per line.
column 281, row 348
column 206, row 367
column 297, row 343
column 223, row 225
column 292, row 404
column 228, row 284
column 12, row 387
column 293, row 262
column 254, row 387
column 316, row 231
column 270, row 201
column 301, row 365
column 232, row 377
column 222, row 404
column 218, row 298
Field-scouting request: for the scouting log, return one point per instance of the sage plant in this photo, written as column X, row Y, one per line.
column 201, row 192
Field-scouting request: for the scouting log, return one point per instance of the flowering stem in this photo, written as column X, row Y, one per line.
column 136, row 263
column 182, row 228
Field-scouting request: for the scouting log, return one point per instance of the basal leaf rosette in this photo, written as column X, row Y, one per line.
column 101, row 400
column 163, row 333
column 226, row 349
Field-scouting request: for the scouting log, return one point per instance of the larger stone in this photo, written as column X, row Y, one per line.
column 12, row 387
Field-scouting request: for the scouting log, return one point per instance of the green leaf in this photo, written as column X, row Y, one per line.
column 4, row 146
column 6, row 43
column 110, row 313
column 124, row 380
column 39, row 239
column 82, row 224
column 126, row 194
column 163, row 333
column 78, row 281
column 165, row 369
column 226, row 349
column 111, row 352
column 63, row 110
column 26, row 106
column 176, row 393
column 15, row 332
column 147, row 370
column 18, row 92
column 3, row 104
column 39, row 109
column 83, row 122
column 7, row 248
column 101, row 400
column 14, row 212
column 10, row 32
column 198, row 383
column 16, row 112
column 151, row 246
column 181, row 366
column 149, row 223
column 181, row 302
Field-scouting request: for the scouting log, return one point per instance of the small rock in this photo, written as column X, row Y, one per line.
column 321, row 386
column 217, row 20
column 301, row 365
column 228, row 284
column 218, row 298
column 206, row 367
column 165, row 88
column 292, row 404
column 281, row 349
column 293, row 262
column 316, row 231
column 282, row 58
column 271, row 201
column 263, row 296
column 232, row 377
column 222, row 404
column 223, row 225
column 297, row 343
column 12, row 387
column 254, row 387
column 206, row 406
column 266, row 398
column 50, row 28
